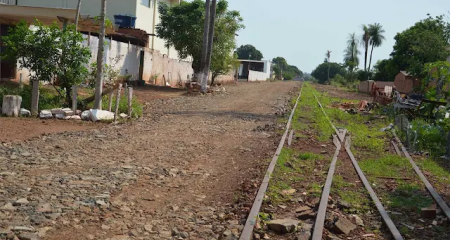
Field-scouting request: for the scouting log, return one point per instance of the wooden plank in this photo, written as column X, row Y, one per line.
column 396, row 148
column 428, row 185
column 389, row 223
column 247, row 232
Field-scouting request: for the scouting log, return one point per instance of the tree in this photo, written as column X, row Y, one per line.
column 280, row 65
column 207, row 66
column 425, row 42
column 385, row 70
column 376, row 32
column 328, row 56
column 365, row 38
column 351, row 53
column 74, row 58
column 439, row 74
column 249, row 52
column 37, row 50
column 321, row 71
column 203, row 56
column 101, row 50
column 182, row 27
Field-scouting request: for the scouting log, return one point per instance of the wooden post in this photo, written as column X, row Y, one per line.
column 35, row 98
column 130, row 100
column 11, row 105
column 116, row 111
column 111, row 95
column 125, row 87
column 74, row 99
column 20, row 81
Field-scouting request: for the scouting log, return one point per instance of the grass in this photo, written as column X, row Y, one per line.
column 438, row 168
column 137, row 107
column 48, row 98
column 387, row 166
column 409, row 196
column 357, row 198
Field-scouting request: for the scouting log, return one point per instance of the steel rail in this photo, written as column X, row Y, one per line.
column 422, row 177
column 247, row 232
column 389, row 223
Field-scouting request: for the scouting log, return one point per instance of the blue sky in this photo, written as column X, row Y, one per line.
column 302, row 31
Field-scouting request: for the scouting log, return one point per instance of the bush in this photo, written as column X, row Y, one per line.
column 47, row 97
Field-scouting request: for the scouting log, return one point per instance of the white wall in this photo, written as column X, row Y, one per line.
column 257, row 76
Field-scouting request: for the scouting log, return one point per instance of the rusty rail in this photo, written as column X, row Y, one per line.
column 422, row 177
column 247, row 232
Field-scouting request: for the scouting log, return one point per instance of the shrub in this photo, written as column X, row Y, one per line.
column 47, row 100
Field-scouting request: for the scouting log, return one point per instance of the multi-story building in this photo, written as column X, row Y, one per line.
column 145, row 11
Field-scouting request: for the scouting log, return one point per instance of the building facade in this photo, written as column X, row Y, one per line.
column 145, row 11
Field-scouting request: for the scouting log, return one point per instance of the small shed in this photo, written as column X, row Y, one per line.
column 405, row 82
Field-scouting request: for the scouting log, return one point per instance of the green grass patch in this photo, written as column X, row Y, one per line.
column 357, row 198
column 48, row 98
column 409, row 196
column 123, row 105
column 437, row 168
column 387, row 166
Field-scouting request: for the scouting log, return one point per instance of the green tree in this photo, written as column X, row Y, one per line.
column 385, row 70
column 425, row 42
column 37, row 50
column 74, row 58
column 376, row 32
column 439, row 74
column 351, row 53
column 182, row 27
column 249, row 52
column 321, row 71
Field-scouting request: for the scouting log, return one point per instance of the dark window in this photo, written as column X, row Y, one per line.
column 147, row 3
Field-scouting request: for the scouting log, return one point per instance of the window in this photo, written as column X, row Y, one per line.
column 147, row 3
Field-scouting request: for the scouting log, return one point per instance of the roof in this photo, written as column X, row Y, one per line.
column 248, row 60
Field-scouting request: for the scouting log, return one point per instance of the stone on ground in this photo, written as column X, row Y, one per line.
column 283, row 226
column 343, row 226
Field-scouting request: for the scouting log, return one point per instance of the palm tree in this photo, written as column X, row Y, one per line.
column 351, row 58
column 328, row 55
column 101, row 50
column 376, row 38
column 365, row 38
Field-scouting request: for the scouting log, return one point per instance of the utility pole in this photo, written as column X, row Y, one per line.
column 101, row 49
column 205, row 46
column 212, row 19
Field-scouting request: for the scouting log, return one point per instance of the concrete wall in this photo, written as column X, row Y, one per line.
column 169, row 71
column 257, row 76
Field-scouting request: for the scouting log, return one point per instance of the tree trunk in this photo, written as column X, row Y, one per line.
column 35, row 98
column 370, row 61
column 200, row 74
column 11, row 105
column 207, row 67
column 77, row 17
column 69, row 95
column 101, row 49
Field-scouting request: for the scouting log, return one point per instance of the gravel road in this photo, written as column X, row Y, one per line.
column 176, row 173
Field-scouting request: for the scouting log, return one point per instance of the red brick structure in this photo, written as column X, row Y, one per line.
column 405, row 83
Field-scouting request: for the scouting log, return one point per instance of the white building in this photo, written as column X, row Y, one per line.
column 146, row 12
column 253, row 70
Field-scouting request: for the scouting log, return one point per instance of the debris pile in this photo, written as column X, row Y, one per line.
column 93, row 115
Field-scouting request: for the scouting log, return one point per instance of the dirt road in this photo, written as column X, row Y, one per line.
column 179, row 172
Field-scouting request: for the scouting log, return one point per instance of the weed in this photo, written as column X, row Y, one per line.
column 387, row 166
column 309, row 156
column 409, row 196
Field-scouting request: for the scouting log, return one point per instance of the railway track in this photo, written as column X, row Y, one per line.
column 340, row 140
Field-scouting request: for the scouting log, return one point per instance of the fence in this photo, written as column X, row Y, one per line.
column 257, row 76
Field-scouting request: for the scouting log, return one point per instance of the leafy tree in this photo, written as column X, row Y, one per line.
column 295, row 71
column 73, row 61
column 321, row 71
column 385, row 70
column 376, row 32
column 439, row 75
column 37, row 50
column 249, row 52
column 182, row 27
column 351, row 53
column 283, row 70
column 425, row 42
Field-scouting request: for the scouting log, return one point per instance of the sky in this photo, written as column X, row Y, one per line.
column 302, row 31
